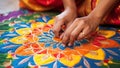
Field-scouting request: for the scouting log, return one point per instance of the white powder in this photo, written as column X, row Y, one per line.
column 7, row 6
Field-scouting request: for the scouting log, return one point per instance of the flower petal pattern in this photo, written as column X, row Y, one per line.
column 30, row 42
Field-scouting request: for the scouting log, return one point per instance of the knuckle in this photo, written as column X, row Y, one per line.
column 83, row 21
column 67, row 34
column 73, row 35
column 88, row 27
column 77, row 19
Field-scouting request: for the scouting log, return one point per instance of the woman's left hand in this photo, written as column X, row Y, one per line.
column 79, row 29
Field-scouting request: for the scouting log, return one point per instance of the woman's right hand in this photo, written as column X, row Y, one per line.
column 64, row 19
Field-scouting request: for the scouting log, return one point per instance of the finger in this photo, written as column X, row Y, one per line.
column 61, row 36
column 75, row 32
column 85, row 32
column 57, row 27
column 68, row 24
column 67, row 33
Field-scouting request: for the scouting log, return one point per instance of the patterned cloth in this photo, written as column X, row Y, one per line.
column 28, row 42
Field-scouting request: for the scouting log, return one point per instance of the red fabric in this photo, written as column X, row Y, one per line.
column 53, row 3
column 114, row 16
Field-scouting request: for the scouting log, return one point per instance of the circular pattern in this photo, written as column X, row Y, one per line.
column 32, row 44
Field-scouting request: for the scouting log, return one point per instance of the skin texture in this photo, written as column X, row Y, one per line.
column 79, row 28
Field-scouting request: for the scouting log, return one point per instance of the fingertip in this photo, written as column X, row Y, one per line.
column 70, row 44
column 61, row 36
column 55, row 32
column 81, row 36
column 63, row 45
column 63, row 42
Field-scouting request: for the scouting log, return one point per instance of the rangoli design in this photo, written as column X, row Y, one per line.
column 29, row 42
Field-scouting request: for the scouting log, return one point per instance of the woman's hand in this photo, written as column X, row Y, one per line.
column 83, row 26
column 80, row 28
column 65, row 18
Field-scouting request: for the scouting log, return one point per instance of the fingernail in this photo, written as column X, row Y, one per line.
column 69, row 44
column 60, row 37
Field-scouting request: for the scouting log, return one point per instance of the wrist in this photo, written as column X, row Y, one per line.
column 71, row 9
column 95, row 17
column 69, row 4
